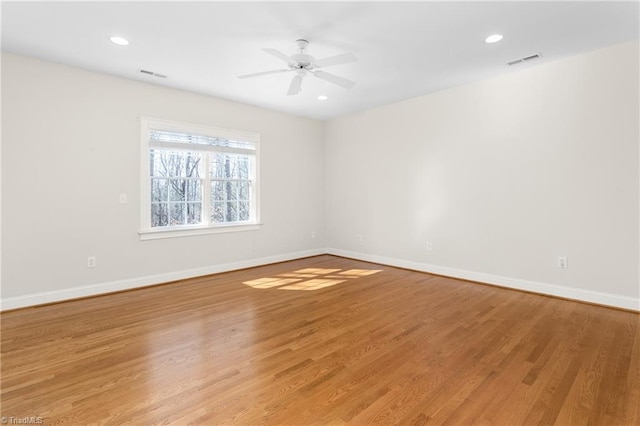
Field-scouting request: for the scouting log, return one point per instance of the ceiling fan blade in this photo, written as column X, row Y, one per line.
column 278, row 54
column 258, row 74
column 296, row 85
column 331, row 78
column 343, row 58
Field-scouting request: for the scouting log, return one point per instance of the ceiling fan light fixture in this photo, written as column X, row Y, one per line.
column 494, row 38
column 120, row 41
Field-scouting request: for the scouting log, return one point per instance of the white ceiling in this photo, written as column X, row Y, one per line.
column 405, row 49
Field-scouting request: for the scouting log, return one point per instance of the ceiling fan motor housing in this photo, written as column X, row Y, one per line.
column 302, row 60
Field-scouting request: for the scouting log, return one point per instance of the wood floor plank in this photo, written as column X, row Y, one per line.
column 322, row 340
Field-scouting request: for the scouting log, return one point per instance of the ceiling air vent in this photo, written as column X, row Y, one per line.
column 525, row 59
column 155, row 74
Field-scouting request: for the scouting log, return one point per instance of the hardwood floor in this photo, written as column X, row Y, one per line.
column 298, row 344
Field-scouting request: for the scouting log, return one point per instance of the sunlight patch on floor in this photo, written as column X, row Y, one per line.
column 295, row 275
column 312, row 284
column 310, row 279
column 270, row 282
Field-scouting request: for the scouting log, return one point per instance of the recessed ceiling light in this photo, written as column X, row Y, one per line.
column 323, row 97
column 120, row 41
column 493, row 38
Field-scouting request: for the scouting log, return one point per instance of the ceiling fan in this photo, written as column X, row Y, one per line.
column 303, row 64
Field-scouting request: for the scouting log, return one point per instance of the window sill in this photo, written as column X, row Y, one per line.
column 156, row 234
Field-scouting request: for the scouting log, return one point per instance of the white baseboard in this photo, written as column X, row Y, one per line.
column 128, row 284
column 599, row 298
column 596, row 297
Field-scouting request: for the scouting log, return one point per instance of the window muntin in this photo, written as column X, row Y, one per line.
column 197, row 177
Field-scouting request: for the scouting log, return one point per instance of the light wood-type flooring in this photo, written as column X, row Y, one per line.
column 323, row 340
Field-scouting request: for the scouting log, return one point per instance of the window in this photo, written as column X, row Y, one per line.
column 197, row 179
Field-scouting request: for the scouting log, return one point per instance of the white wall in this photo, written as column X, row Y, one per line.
column 70, row 142
column 501, row 176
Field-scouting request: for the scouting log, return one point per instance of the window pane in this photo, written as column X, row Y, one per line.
column 194, row 213
column 218, row 191
column 177, row 189
column 194, row 190
column 225, row 166
column 244, row 213
column 218, row 212
column 243, row 168
column 177, row 211
column 216, row 166
column 193, row 165
column 159, row 215
column 233, row 167
column 225, row 190
column 164, row 163
column 232, row 212
column 159, row 189
column 231, row 189
column 244, row 192
column 224, row 212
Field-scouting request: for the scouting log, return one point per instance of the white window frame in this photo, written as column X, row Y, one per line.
column 146, row 232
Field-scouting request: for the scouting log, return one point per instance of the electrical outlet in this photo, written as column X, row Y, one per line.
column 360, row 238
column 563, row 262
column 91, row 262
column 314, row 234
column 123, row 198
column 429, row 246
